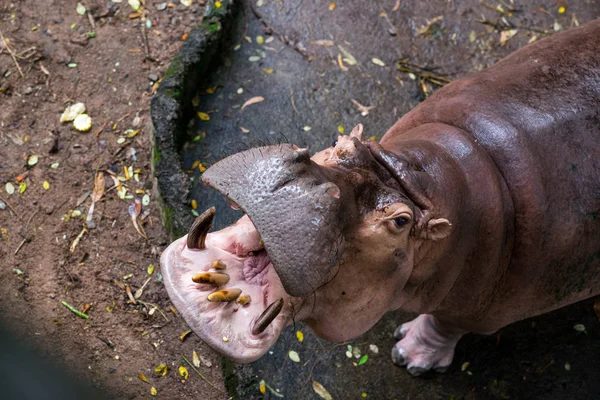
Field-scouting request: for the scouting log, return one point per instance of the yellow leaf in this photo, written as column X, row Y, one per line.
column 195, row 164
column 210, row 90
column 153, row 391
column 202, row 167
column 161, row 370
column 46, row 185
column 203, row 116
column 150, row 269
column 262, row 387
column 143, row 377
column 183, row 372
column 321, row 391
column 268, row 70
column 196, row 99
column 340, row 129
column 300, row 336
column 184, row 335
column 561, row 10
column 195, row 359
column 218, row 4
column 293, row 356
column 332, row 6
column 22, row 187
column 253, row 100
column 194, row 204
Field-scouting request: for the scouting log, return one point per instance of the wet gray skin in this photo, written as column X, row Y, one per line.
column 294, row 207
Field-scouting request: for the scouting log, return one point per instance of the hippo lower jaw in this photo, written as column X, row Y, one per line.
column 248, row 306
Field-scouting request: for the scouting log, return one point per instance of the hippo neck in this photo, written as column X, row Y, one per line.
column 448, row 175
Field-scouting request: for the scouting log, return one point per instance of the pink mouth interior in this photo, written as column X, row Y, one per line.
column 227, row 326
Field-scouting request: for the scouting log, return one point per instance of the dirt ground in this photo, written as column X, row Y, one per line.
column 104, row 59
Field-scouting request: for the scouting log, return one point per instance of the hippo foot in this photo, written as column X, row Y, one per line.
column 425, row 344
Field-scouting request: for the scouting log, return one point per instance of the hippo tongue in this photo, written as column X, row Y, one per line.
column 293, row 206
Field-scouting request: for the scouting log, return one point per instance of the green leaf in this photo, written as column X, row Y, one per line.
column 363, row 359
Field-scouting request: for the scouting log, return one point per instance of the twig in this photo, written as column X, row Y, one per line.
column 311, row 372
column 293, row 104
column 202, row 376
column 21, row 244
column 12, row 54
column 74, row 310
column 147, row 55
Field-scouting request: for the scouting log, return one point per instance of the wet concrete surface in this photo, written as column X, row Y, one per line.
column 308, row 95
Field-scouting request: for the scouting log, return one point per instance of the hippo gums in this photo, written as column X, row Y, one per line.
column 478, row 208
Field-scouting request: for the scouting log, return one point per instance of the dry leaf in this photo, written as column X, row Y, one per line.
column 195, row 359
column 254, row 100
column 184, row 335
column 321, row 391
column 506, row 35
column 143, row 377
column 324, row 43
column 396, row 6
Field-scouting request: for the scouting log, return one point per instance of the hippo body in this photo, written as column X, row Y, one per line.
column 478, row 208
column 525, row 137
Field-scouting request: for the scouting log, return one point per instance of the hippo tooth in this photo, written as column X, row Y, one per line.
column 213, row 278
column 244, row 299
column 224, row 295
column 199, row 229
column 267, row 317
column 218, row 264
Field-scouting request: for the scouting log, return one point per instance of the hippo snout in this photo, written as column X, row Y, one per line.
column 280, row 188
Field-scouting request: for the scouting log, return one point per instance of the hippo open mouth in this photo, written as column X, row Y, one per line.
column 239, row 287
column 226, row 288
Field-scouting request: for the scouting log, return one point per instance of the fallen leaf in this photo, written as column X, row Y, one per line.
column 195, row 359
column 203, row 116
column 253, row 100
column 300, row 336
column 348, row 58
column 396, row 6
column 184, row 335
column 143, row 377
column 579, row 328
column 22, row 187
column 80, row 9
column 268, row 70
column 262, row 386
column 254, row 58
column 161, row 370
column 9, row 187
column 324, row 43
column 465, row 366
column 377, row 61
column 46, row 185
column 153, row 391
column 245, row 130
column 72, row 112
column 82, row 122
column 33, row 159
column 506, row 35
column 340, row 129
column 183, row 372
column 332, row 6
column 150, row 269
column 294, row 356
column 363, row 359
column 321, row 391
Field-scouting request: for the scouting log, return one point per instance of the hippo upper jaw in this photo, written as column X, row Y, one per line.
column 230, row 327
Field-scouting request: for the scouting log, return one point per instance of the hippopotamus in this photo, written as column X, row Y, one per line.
column 478, row 208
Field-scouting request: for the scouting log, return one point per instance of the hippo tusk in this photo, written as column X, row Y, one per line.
column 199, row 229
column 212, row 278
column 267, row 317
column 224, row 295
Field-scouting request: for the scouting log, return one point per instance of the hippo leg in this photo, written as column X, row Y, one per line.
column 425, row 343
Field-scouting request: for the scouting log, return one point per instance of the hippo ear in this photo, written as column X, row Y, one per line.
column 436, row 229
column 357, row 132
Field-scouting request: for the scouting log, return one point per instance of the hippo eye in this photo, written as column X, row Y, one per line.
column 334, row 143
column 401, row 221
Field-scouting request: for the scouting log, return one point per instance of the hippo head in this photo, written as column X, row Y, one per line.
column 329, row 240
